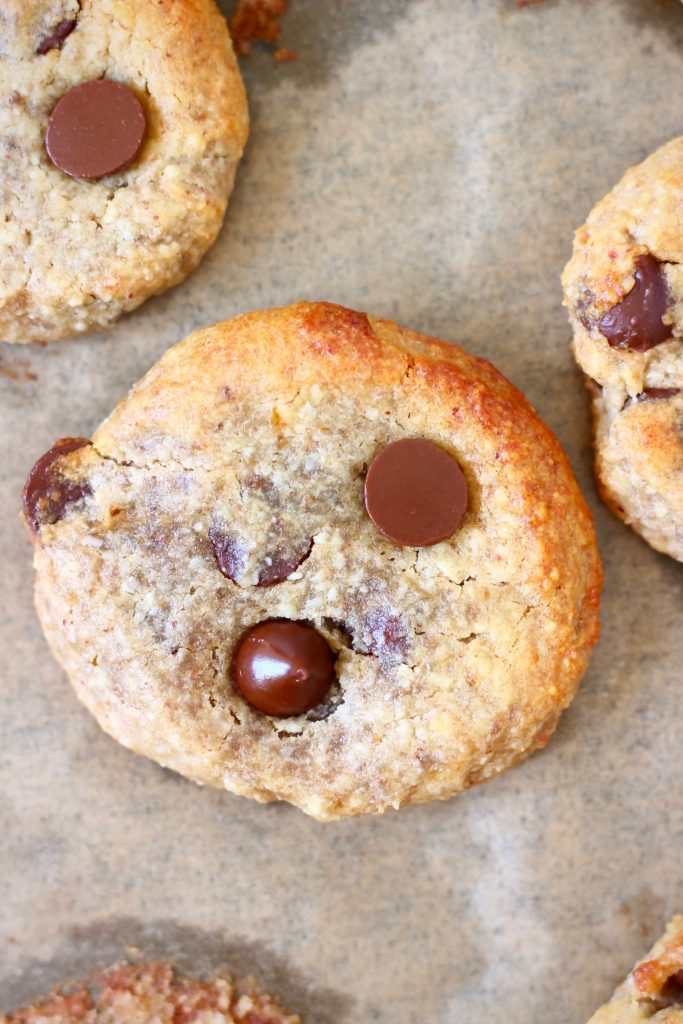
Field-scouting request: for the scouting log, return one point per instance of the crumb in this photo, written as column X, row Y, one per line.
column 257, row 21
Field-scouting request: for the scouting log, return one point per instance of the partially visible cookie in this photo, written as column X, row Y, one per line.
column 153, row 993
column 121, row 126
column 653, row 990
column 317, row 557
column 624, row 292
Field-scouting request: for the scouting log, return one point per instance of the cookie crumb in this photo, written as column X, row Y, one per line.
column 258, row 21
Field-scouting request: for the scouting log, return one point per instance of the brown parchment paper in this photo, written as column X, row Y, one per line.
column 425, row 160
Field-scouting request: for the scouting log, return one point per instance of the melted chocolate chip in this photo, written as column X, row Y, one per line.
column 653, row 394
column 96, row 128
column 283, row 668
column 636, row 322
column 229, row 553
column 415, row 493
column 281, row 565
column 388, row 640
column 55, row 39
column 47, row 493
column 344, row 631
column 321, row 712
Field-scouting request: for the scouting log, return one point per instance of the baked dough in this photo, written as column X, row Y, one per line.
column 152, row 993
column 637, row 393
column 248, row 443
column 653, row 991
column 76, row 254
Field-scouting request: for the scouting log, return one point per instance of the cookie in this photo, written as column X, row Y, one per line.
column 319, row 558
column 653, row 990
column 153, row 993
column 624, row 292
column 121, row 123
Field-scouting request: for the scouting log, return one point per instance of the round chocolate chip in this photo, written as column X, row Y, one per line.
column 47, row 493
column 636, row 322
column 284, row 668
column 415, row 493
column 95, row 129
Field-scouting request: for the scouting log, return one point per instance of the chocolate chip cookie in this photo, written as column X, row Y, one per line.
column 624, row 291
column 653, row 990
column 153, row 993
column 121, row 126
column 319, row 558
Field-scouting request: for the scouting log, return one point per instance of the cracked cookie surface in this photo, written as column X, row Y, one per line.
column 624, row 292
column 153, row 993
column 76, row 254
column 653, row 990
column 227, row 489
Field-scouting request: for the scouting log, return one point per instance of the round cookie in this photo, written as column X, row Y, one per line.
column 142, row 108
column 152, row 993
column 653, row 991
column 624, row 292
column 227, row 493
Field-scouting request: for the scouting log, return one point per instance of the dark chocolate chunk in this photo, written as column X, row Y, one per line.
column 282, row 564
column 55, row 39
column 415, row 493
column 96, row 128
column 321, row 712
column 387, row 635
column 48, row 493
column 636, row 322
column 283, row 668
column 229, row 553
column 653, row 394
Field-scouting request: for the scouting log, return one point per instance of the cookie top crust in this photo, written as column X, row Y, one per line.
column 75, row 254
column 153, row 993
column 635, row 231
column 624, row 292
column 245, row 448
column 653, row 991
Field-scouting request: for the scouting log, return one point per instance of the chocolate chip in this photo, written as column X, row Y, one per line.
column 96, row 128
column 636, row 322
column 55, row 39
column 281, row 565
column 415, row 493
column 48, row 493
column 283, row 668
column 230, row 554
column 387, row 636
column 653, row 394
column 342, row 629
column 321, row 712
